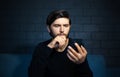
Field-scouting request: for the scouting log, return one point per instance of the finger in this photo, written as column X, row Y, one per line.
column 60, row 40
column 63, row 37
column 72, row 55
column 79, row 48
column 84, row 50
column 56, row 38
column 73, row 51
column 71, row 58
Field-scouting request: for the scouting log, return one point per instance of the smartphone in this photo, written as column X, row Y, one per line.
column 79, row 41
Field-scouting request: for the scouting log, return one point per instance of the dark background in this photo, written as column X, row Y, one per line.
column 22, row 26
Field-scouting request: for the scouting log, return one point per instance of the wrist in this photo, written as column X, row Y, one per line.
column 50, row 46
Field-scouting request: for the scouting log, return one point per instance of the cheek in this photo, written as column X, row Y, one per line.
column 67, row 30
column 55, row 31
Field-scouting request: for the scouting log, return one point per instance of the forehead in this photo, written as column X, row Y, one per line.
column 61, row 21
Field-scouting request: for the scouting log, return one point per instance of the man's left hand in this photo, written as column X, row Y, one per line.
column 77, row 56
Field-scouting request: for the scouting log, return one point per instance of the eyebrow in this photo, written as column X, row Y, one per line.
column 60, row 24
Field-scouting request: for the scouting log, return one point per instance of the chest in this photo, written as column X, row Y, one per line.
column 60, row 65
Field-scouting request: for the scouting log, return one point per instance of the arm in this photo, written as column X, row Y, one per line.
column 83, row 69
column 79, row 57
column 39, row 61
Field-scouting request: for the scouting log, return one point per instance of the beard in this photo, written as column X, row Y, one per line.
column 53, row 36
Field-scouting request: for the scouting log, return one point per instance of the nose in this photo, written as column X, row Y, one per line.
column 61, row 29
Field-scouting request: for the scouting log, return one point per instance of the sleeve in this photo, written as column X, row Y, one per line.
column 83, row 70
column 39, row 61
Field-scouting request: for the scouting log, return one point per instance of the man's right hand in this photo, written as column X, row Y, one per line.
column 60, row 40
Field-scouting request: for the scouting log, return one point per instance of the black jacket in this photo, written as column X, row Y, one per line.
column 47, row 62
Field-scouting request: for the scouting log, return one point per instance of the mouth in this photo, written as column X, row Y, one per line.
column 61, row 34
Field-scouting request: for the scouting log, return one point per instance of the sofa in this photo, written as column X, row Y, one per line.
column 16, row 65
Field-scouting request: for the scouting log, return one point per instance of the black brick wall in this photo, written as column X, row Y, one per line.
column 22, row 25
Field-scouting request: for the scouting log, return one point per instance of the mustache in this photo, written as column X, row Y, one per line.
column 61, row 34
column 51, row 34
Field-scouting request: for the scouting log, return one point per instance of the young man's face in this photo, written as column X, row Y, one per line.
column 60, row 26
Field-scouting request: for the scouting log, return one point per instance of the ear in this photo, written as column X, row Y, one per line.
column 48, row 28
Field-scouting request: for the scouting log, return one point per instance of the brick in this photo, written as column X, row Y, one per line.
column 91, row 28
column 99, row 36
column 92, row 44
column 83, row 35
column 77, row 27
column 110, row 44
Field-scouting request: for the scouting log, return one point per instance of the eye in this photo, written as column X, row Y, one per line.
column 66, row 25
column 56, row 25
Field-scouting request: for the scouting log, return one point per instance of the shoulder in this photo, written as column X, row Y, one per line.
column 41, row 46
column 44, row 43
column 42, row 49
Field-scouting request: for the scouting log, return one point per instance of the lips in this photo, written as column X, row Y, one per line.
column 62, row 34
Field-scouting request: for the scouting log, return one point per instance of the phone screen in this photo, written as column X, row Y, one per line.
column 79, row 41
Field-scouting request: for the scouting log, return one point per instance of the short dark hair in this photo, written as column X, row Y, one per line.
column 57, row 14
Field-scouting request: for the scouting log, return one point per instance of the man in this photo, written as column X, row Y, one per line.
column 60, row 56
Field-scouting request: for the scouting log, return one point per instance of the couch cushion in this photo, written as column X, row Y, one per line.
column 97, row 65
column 16, row 65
